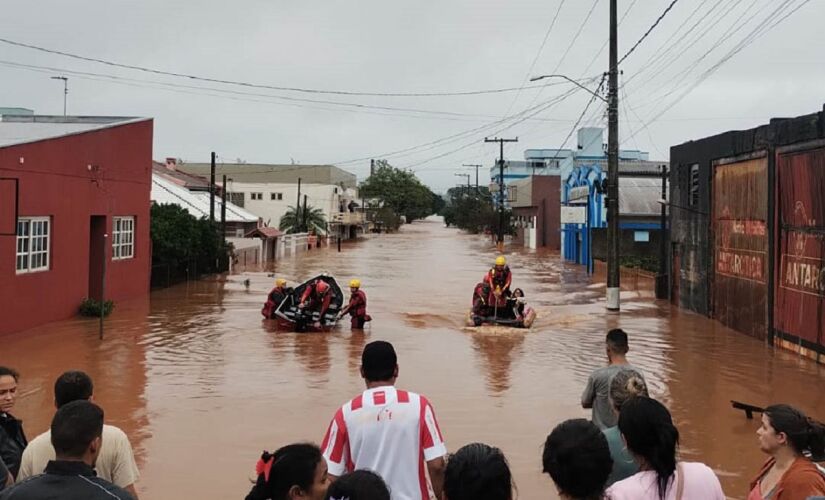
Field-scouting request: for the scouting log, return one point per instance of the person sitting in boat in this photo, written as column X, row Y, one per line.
column 316, row 297
column 481, row 303
column 357, row 307
column 500, row 277
column 275, row 297
column 518, row 303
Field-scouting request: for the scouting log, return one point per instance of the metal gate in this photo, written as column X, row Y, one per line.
column 800, row 281
column 740, row 242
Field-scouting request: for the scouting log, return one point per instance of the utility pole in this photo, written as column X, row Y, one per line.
column 212, row 189
column 65, row 90
column 613, row 286
column 476, row 167
column 223, row 209
column 305, row 225
column 468, row 180
column 500, row 240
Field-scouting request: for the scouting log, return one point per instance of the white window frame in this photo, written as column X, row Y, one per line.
column 257, row 196
column 276, row 196
column 34, row 245
column 123, row 237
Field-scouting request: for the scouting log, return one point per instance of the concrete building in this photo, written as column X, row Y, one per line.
column 535, row 203
column 74, row 207
column 268, row 191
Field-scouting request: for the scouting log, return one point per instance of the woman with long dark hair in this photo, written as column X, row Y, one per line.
column 294, row 472
column 625, row 385
column 652, row 439
column 790, row 438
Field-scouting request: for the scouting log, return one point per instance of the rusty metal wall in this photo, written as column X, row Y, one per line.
column 740, row 243
column 800, row 285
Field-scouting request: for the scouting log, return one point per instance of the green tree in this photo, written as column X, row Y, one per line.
column 303, row 219
column 180, row 238
column 401, row 191
column 472, row 210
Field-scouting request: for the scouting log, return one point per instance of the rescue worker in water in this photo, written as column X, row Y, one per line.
column 275, row 297
column 499, row 279
column 316, row 297
column 357, row 307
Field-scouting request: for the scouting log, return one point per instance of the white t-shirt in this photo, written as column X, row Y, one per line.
column 388, row 431
column 116, row 462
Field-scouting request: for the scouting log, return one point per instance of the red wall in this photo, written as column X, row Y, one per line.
column 55, row 181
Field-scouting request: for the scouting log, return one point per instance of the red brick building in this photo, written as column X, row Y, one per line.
column 74, row 207
column 535, row 201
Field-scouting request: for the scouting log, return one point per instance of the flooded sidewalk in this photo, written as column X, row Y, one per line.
column 202, row 385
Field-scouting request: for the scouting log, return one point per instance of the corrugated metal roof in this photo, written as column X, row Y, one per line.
column 195, row 202
column 638, row 196
column 22, row 129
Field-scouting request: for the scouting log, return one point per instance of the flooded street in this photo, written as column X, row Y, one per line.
column 201, row 384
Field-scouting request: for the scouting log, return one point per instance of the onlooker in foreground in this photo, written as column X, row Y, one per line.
column 5, row 476
column 116, row 462
column 625, row 385
column 478, row 472
column 389, row 431
column 652, row 438
column 596, row 394
column 77, row 430
column 577, row 457
column 787, row 435
column 294, row 472
column 12, row 438
column 359, row 485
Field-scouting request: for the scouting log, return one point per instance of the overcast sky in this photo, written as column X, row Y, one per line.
column 380, row 46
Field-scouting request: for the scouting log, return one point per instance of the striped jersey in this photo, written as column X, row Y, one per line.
column 388, row 431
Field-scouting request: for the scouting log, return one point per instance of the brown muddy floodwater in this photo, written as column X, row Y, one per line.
column 201, row 384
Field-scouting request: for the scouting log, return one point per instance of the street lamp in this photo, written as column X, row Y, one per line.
column 65, row 90
column 574, row 82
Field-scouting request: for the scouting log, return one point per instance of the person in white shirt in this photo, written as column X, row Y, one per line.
column 116, row 462
column 389, row 431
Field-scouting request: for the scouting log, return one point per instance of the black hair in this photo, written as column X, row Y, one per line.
column 292, row 465
column 518, row 290
column 617, row 341
column 478, row 471
column 10, row 372
column 359, row 485
column 804, row 434
column 74, row 427
column 72, row 386
column 650, row 434
column 378, row 361
column 576, row 455
column 625, row 385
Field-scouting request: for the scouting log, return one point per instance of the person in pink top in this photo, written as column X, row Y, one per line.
column 652, row 439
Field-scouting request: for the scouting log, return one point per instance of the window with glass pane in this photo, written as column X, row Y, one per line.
column 32, row 244
column 123, row 238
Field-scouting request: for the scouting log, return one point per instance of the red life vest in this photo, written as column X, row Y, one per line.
column 358, row 303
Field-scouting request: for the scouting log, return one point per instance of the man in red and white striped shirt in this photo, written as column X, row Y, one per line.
column 389, row 431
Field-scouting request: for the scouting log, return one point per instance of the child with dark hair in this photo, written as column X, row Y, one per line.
column 652, row 439
column 12, row 438
column 577, row 457
column 789, row 437
column 296, row 471
column 478, row 472
column 359, row 485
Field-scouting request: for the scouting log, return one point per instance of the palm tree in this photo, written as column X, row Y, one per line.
column 302, row 220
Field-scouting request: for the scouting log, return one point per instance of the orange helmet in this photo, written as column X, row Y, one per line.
column 321, row 286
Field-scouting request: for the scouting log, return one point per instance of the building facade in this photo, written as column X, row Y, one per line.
column 747, row 234
column 74, row 212
column 535, row 204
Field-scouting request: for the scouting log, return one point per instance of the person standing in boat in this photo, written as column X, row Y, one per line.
column 357, row 307
column 499, row 279
column 316, row 297
column 275, row 297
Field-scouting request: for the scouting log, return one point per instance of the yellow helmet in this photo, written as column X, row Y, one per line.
column 500, row 260
column 355, row 283
column 280, row 282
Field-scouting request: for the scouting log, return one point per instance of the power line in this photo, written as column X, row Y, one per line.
column 662, row 16
column 262, row 86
